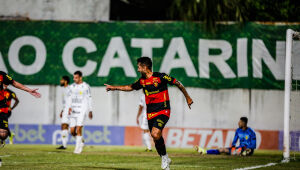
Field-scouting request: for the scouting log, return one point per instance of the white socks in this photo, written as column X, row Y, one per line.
column 147, row 140
column 64, row 137
column 78, row 142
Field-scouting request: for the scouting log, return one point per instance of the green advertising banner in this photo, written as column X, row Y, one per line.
column 236, row 56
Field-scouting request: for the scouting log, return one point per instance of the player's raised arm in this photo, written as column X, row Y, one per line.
column 120, row 88
column 22, row 87
column 189, row 100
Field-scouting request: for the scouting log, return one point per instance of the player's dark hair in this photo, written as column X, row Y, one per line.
column 244, row 119
column 79, row 73
column 145, row 61
column 67, row 78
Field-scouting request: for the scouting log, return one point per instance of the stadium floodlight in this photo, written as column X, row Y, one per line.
column 291, row 131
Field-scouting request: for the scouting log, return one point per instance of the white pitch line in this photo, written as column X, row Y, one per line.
column 258, row 166
column 2, row 156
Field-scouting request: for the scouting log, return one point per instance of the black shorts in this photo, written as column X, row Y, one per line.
column 3, row 121
column 159, row 122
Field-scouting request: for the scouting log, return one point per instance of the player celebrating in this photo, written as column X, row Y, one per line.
column 142, row 113
column 247, row 139
column 79, row 103
column 156, row 93
column 4, row 109
column 64, row 114
column 10, row 95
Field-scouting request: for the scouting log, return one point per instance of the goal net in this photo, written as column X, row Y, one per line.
column 291, row 133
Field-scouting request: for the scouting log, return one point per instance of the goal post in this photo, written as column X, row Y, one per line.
column 287, row 94
column 288, row 88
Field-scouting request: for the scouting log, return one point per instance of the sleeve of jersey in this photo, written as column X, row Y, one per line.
column 253, row 140
column 168, row 79
column 6, row 78
column 90, row 99
column 137, row 85
column 235, row 139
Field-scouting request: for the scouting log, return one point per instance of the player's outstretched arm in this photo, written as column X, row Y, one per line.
column 31, row 91
column 120, row 88
column 189, row 100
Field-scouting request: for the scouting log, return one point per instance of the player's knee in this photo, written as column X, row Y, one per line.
column 79, row 130
column 155, row 136
column 3, row 134
column 73, row 132
column 64, row 126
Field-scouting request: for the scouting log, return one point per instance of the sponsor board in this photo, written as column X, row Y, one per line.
column 51, row 134
column 294, row 140
column 132, row 136
column 207, row 138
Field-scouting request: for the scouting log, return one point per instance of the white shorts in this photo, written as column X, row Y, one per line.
column 77, row 119
column 144, row 123
column 65, row 119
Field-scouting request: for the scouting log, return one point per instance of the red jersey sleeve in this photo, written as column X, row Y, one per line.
column 137, row 85
column 167, row 79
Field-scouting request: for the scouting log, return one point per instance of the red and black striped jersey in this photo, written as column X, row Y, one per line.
column 4, row 79
column 9, row 95
column 156, row 93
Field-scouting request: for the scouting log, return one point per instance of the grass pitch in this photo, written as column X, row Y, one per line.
column 123, row 157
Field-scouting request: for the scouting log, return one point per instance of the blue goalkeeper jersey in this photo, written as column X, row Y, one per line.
column 247, row 138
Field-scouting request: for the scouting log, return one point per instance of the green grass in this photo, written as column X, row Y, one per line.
column 121, row 157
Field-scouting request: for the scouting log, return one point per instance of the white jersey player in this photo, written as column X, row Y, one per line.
column 64, row 115
column 142, row 115
column 79, row 104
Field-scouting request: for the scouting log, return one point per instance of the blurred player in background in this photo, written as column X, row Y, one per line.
column 79, row 103
column 247, row 139
column 64, row 114
column 10, row 95
column 4, row 108
column 155, row 86
column 142, row 115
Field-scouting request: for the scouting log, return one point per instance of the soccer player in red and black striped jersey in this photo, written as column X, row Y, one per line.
column 10, row 95
column 155, row 87
column 4, row 109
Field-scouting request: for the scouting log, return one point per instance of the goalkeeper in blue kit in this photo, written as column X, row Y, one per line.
column 244, row 134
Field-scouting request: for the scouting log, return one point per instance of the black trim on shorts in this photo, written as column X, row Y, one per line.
column 3, row 121
column 159, row 122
